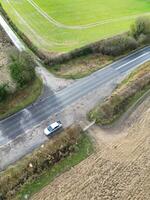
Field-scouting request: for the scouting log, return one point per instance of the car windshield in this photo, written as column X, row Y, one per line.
column 50, row 128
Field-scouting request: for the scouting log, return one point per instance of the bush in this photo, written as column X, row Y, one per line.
column 116, row 46
column 144, row 39
column 3, row 92
column 22, row 68
column 141, row 26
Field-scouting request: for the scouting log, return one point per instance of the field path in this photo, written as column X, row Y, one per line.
column 119, row 168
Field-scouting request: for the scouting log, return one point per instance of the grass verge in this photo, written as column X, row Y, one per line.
column 21, row 99
column 132, row 100
column 81, row 66
column 124, row 96
column 82, row 150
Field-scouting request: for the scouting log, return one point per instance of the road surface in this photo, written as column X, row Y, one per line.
column 22, row 121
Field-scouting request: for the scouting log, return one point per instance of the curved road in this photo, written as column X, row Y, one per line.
column 22, row 121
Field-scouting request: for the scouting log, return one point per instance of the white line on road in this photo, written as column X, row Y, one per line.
column 133, row 60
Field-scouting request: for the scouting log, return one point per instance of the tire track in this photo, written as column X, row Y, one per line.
column 79, row 27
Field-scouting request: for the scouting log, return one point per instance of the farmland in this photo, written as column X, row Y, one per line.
column 64, row 25
column 119, row 168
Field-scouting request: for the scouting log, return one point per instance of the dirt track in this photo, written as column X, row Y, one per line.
column 119, row 168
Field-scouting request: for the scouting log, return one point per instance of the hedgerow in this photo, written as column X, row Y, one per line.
column 31, row 166
column 116, row 104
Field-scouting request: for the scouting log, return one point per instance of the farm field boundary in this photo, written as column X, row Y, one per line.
column 64, row 27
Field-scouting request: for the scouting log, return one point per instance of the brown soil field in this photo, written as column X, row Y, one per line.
column 5, row 48
column 118, row 169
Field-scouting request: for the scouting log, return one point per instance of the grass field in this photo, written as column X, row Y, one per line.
column 60, row 26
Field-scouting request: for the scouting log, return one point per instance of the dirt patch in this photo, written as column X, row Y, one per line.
column 53, row 83
column 5, row 48
column 119, row 168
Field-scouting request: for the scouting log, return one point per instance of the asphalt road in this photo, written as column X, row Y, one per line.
column 17, row 124
column 22, row 121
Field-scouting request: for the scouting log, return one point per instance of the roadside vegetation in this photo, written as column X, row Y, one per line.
column 39, row 168
column 22, row 69
column 27, row 88
column 21, row 98
column 125, row 95
column 80, row 62
column 80, row 67
column 84, row 61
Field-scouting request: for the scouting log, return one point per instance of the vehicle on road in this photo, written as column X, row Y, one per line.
column 52, row 128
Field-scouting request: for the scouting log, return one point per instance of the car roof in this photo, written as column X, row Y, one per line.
column 54, row 125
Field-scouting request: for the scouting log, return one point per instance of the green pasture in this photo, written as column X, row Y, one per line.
column 62, row 25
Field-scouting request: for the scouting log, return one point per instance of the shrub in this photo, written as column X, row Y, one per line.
column 22, row 68
column 118, row 102
column 116, row 46
column 3, row 92
column 144, row 39
column 141, row 26
column 34, row 164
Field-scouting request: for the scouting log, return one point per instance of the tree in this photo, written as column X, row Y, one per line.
column 22, row 68
column 141, row 26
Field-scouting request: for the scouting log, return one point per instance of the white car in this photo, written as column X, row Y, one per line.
column 52, row 128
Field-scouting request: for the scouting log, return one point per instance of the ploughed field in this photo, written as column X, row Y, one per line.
column 119, row 168
column 60, row 26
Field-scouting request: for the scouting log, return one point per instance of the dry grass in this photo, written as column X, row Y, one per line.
column 5, row 48
column 123, row 96
column 17, row 98
column 21, row 99
column 33, row 165
column 82, row 66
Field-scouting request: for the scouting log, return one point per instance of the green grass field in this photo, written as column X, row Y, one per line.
column 60, row 26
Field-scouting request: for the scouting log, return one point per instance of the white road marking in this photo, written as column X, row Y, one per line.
column 133, row 60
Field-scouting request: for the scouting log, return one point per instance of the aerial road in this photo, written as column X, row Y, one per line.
column 24, row 120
